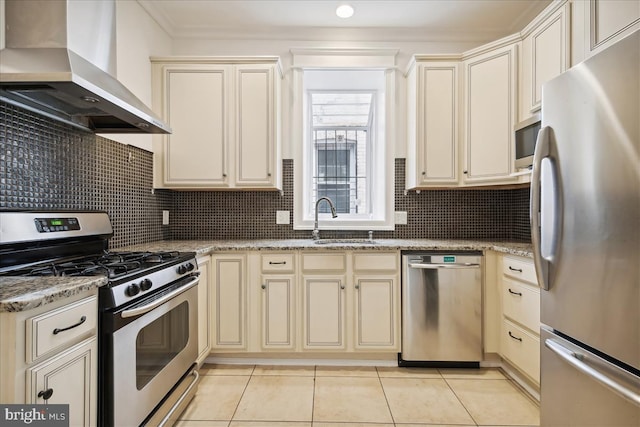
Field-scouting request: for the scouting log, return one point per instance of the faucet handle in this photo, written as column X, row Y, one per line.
column 316, row 234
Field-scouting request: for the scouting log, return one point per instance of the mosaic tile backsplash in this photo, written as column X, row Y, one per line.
column 45, row 164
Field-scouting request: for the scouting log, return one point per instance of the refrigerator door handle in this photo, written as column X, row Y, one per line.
column 546, row 209
column 574, row 359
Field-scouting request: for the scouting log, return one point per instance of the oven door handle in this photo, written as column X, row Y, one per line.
column 156, row 303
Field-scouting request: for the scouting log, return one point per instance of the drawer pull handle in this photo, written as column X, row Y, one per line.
column 515, row 337
column 277, row 262
column 515, row 293
column 519, row 270
column 46, row 394
column 56, row 331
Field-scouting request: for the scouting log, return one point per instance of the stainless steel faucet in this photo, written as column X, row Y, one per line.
column 316, row 231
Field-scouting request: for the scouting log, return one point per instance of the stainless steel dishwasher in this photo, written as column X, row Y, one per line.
column 441, row 309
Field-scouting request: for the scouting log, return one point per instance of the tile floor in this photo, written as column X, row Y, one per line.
column 324, row 396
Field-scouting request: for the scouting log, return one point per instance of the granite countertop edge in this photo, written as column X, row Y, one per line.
column 25, row 293
column 207, row 247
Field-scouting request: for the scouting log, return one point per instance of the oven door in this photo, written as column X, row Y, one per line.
column 154, row 345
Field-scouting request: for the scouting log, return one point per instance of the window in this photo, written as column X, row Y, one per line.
column 344, row 153
column 340, row 130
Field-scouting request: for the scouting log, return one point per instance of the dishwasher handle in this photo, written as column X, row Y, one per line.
column 429, row 266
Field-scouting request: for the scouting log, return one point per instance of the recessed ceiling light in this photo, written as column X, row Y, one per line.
column 344, row 11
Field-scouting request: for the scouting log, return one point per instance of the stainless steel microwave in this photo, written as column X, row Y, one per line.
column 526, row 133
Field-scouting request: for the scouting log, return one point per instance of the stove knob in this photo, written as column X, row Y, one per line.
column 132, row 290
column 145, row 284
column 190, row 267
column 182, row 269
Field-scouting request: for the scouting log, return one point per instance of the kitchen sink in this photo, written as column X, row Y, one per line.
column 345, row 242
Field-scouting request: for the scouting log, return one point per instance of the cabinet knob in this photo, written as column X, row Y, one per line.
column 263, row 286
column 341, row 286
column 357, row 286
column 464, row 172
column 269, row 174
column 46, row 394
column 224, row 175
column 424, row 172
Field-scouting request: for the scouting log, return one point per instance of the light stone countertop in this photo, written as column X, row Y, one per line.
column 205, row 247
column 24, row 293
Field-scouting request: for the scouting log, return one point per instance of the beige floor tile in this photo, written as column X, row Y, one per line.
column 211, row 369
column 301, row 371
column 476, row 374
column 496, row 402
column 424, row 400
column 350, row 399
column 321, row 424
column 346, row 371
column 216, row 399
column 187, row 423
column 436, row 425
column 397, row 372
column 269, row 424
column 276, row 398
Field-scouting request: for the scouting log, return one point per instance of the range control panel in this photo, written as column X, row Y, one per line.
column 49, row 225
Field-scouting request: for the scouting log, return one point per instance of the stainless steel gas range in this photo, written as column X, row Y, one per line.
column 148, row 311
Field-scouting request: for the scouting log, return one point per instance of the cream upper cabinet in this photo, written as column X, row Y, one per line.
column 229, row 300
column 545, row 54
column 225, row 117
column 432, row 117
column 490, row 85
column 204, row 308
column 600, row 23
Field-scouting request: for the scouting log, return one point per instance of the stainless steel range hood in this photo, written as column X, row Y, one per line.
column 59, row 61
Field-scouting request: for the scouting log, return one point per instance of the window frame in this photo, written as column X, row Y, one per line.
column 384, row 165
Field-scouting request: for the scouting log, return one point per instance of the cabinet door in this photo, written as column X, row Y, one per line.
column 196, row 107
column 490, row 110
column 278, row 311
column 548, row 51
column 608, row 21
column 70, row 378
column 377, row 314
column 229, row 300
column 255, row 125
column 324, row 312
column 204, row 309
column 437, row 124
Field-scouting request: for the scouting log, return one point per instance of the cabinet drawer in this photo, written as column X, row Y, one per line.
column 375, row 262
column 277, row 263
column 521, row 303
column 520, row 268
column 522, row 349
column 324, row 262
column 60, row 328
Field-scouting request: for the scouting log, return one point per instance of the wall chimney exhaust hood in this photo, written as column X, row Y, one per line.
column 60, row 60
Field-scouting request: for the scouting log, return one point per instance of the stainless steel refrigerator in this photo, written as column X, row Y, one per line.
column 585, row 218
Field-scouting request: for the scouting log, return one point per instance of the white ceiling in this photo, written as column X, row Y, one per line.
column 386, row 20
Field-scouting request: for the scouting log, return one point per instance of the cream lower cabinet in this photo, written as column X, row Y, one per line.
column 49, row 355
column 204, row 308
column 69, row 378
column 278, row 301
column 520, row 325
column 229, row 301
column 377, row 301
column 225, row 120
column 323, row 300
